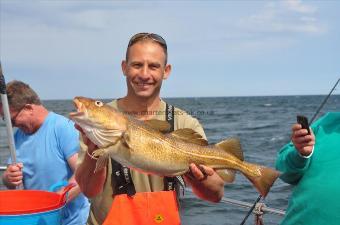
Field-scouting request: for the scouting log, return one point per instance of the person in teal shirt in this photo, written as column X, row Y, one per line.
column 312, row 164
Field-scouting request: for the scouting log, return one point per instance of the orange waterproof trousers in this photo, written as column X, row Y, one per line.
column 144, row 208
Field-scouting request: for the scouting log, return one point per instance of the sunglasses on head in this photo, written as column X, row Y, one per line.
column 144, row 36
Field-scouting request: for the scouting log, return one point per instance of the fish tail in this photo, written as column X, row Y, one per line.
column 264, row 180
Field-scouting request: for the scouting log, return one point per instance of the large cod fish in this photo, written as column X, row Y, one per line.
column 147, row 147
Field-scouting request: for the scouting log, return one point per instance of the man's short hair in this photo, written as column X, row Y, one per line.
column 140, row 37
column 19, row 94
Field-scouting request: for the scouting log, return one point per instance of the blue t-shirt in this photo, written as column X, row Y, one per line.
column 44, row 155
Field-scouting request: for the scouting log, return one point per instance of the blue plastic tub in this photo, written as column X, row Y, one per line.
column 51, row 217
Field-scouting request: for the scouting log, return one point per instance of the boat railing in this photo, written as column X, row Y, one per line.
column 259, row 209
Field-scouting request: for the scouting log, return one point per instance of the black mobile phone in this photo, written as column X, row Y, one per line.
column 303, row 121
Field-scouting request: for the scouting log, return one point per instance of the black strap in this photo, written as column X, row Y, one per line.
column 122, row 177
column 169, row 182
column 170, row 116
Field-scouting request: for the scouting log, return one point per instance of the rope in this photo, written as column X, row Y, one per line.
column 251, row 210
column 258, row 211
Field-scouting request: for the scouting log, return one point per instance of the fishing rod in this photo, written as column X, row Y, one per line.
column 304, row 123
column 7, row 116
column 324, row 102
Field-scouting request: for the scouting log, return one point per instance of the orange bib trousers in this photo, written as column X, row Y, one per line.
column 144, row 208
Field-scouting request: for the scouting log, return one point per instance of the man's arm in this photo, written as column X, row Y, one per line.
column 75, row 191
column 89, row 182
column 294, row 158
column 205, row 183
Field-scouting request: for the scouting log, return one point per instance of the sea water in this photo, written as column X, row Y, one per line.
column 263, row 125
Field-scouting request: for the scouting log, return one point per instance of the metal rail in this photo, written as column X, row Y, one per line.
column 249, row 205
column 242, row 204
column 3, row 168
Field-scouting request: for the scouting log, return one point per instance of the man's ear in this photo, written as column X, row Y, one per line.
column 123, row 65
column 29, row 106
column 167, row 71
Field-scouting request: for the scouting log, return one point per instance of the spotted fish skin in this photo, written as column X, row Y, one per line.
column 138, row 145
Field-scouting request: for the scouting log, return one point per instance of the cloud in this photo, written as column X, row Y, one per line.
column 297, row 6
column 84, row 42
column 51, row 28
column 285, row 17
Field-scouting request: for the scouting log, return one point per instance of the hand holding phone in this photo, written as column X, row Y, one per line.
column 303, row 121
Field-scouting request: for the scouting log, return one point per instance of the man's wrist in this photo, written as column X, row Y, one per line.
column 307, row 156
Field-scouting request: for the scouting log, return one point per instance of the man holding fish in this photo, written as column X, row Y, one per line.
column 139, row 184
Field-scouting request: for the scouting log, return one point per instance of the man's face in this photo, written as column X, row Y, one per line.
column 145, row 69
column 19, row 118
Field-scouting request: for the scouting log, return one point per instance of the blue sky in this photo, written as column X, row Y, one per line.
column 216, row 48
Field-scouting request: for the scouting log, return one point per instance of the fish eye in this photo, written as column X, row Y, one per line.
column 98, row 103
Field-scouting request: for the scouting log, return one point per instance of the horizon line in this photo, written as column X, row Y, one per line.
column 231, row 96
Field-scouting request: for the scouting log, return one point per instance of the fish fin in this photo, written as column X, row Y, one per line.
column 227, row 175
column 102, row 159
column 266, row 179
column 189, row 135
column 160, row 125
column 101, row 163
column 232, row 146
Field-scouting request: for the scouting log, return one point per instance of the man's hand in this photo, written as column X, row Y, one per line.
column 205, row 182
column 199, row 173
column 90, row 183
column 13, row 175
column 303, row 142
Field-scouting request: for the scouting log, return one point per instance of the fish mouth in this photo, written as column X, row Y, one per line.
column 79, row 107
